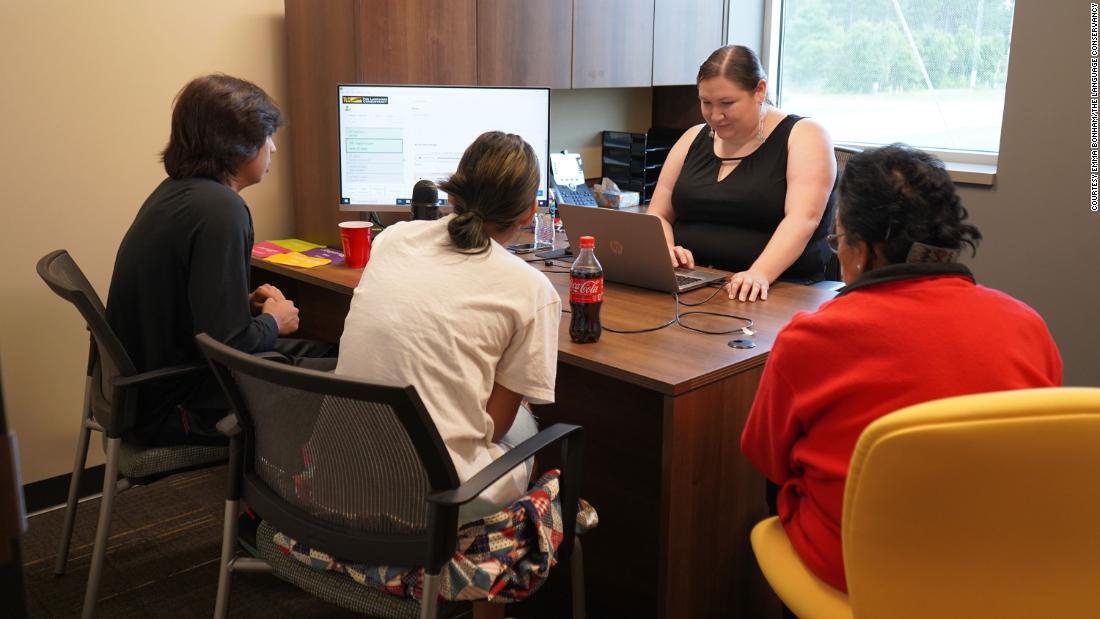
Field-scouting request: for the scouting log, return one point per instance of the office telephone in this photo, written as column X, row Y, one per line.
column 567, row 179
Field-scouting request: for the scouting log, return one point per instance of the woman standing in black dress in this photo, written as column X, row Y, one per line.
column 750, row 190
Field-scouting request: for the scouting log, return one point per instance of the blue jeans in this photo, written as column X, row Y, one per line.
column 523, row 427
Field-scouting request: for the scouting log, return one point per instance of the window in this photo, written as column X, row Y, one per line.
column 930, row 73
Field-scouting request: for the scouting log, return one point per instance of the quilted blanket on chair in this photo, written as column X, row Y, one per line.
column 503, row 557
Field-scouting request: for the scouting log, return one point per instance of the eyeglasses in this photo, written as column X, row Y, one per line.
column 833, row 241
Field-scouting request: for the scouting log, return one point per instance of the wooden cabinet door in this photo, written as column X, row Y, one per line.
column 416, row 41
column 687, row 31
column 320, row 55
column 612, row 43
column 524, row 43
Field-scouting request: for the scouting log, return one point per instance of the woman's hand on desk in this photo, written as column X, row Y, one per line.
column 284, row 313
column 681, row 258
column 748, row 286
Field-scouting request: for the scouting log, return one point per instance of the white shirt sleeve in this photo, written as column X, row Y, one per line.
column 530, row 363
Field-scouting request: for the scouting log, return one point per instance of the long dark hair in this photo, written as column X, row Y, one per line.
column 218, row 123
column 496, row 182
column 898, row 195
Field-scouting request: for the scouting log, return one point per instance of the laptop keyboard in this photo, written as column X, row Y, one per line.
column 684, row 280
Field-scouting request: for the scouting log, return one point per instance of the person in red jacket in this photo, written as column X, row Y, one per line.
column 910, row 326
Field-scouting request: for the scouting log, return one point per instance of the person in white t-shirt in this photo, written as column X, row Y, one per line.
column 443, row 306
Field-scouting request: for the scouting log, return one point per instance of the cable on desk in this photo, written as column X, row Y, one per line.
column 677, row 316
column 551, row 261
column 630, row 331
column 746, row 328
column 718, row 286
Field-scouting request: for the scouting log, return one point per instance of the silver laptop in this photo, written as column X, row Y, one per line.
column 631, row 247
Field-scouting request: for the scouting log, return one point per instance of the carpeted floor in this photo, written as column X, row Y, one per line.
column 162, row 558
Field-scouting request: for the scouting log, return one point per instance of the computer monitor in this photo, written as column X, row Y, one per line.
column 393, row 136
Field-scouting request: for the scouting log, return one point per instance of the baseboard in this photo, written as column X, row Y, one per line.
column 54, row 491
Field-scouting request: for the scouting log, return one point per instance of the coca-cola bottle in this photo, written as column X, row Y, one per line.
column 586, row 293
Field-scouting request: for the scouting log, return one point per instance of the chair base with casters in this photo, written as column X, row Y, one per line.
column 806, row 595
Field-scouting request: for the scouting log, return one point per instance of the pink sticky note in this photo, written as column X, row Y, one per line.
column 267, row 248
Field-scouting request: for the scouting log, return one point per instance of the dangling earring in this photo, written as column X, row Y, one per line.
column 760, row 126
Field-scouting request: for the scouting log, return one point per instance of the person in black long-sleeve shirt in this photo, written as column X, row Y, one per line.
column 183, row 266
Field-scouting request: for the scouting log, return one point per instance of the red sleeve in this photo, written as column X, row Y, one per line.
column 772, row 428
column 1056, row 366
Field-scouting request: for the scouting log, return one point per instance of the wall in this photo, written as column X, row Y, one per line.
column 88, row 88
column 1042, row 243
column 578, row 116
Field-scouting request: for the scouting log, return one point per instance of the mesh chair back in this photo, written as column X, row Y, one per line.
column 341, row 465
column 843, row 154
column 346, row 462
column 108, row 359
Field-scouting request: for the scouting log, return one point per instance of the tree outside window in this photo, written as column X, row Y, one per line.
column 927, row 72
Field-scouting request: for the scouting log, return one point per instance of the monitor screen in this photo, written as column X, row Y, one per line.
column 393, row 136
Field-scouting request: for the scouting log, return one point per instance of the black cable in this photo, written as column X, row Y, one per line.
column 630, row 331
column 718, row 288
column 676, row 319
column 746, row 328
column 548, row 262
column 646, row 330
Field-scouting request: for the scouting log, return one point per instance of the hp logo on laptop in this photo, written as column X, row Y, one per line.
column 616, row 248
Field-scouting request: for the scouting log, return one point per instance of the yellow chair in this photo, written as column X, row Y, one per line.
column 976, row 506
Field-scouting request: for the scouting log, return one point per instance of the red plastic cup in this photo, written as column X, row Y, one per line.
column 355, row 237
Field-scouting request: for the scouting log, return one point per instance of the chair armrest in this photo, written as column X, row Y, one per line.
column 444, row 505
column 501, row 466
column 179, row 371
column 175, row 371
column 123, row 402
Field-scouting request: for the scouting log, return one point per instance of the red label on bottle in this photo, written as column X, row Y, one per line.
column 585, row 290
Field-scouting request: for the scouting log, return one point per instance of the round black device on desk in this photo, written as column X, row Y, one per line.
column 425, row 200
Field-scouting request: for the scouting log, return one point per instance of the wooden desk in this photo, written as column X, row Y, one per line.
column 663, row 414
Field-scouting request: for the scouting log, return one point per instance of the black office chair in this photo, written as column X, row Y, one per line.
column 110, row 407
column 832, row 279
column 382, row 488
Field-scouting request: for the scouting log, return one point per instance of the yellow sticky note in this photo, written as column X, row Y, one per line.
column 294, row 259
column 296, row 244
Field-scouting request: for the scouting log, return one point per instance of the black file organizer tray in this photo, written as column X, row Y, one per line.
column 634, row 160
